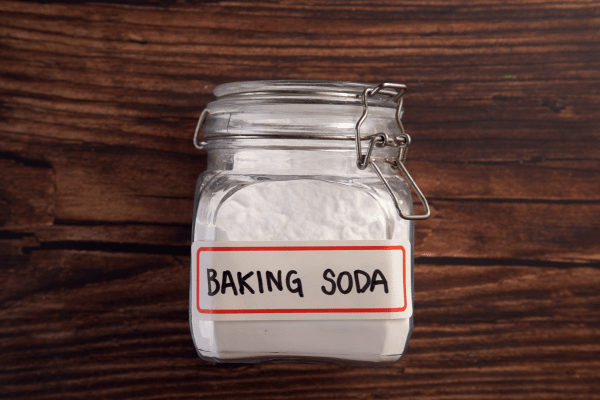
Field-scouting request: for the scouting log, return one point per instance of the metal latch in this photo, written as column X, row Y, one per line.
column 380, row 139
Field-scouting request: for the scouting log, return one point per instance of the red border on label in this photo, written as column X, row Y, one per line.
column 300, row 310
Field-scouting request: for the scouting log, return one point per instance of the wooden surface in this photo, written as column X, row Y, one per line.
column 98, row 102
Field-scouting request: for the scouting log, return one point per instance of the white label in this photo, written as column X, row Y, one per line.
column 301, row 280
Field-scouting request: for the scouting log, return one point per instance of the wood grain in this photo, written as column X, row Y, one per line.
column 98, row 102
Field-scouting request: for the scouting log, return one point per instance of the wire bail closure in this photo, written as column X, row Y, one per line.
column 380, row 139
column 197, row 144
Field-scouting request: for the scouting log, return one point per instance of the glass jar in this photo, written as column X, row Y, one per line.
column 302, row 238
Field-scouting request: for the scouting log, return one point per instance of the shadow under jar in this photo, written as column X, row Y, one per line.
column 302, row 241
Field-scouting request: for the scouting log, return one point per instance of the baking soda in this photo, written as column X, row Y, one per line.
column 306, row 210
column 301, row 210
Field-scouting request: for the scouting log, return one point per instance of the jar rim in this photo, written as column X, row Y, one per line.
column 292, row 85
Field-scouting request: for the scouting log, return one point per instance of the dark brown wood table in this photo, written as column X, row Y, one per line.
column 98, row 102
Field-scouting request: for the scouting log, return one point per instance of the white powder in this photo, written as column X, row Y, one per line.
column 303, row 210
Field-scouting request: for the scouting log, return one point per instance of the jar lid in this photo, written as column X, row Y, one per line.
column 297, row 109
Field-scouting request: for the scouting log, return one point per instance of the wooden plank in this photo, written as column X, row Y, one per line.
column 491, row 169
column 493, row 83
column 537, row 230
column 536, row 210
column 21, row 202
column 149, row 190
column 477, row 229
column 520, row 180
column 479, row 331
column 96, row 233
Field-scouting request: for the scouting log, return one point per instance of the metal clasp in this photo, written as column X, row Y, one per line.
column 197, row 144
column 380, row 139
